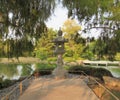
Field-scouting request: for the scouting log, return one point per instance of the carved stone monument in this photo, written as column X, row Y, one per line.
column 59, row 72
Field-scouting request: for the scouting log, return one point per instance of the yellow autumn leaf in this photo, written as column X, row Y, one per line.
column 70, row 26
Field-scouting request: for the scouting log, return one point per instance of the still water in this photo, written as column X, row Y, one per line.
column 15, row 71
column 115, row 70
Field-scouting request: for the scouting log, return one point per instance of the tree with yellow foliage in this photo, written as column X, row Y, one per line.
column 70, row 29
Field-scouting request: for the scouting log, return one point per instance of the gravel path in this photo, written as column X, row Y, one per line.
column 3, row 92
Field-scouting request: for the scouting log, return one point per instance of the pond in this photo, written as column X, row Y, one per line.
column 115, row 70
column 15, row 71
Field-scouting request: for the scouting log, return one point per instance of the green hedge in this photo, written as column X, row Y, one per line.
column 117, row 56
column 45, row 66
column 6, row 83
column 52, row 59
column 95, row 72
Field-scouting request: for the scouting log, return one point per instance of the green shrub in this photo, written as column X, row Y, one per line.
column 69, row 53
column 52, row 59
column 88, row 55
column 66, row 67
column 69, row 59
column 41, row 55
column 117, row 57
column 5, row 83
column 95, row 72
column 45, row 66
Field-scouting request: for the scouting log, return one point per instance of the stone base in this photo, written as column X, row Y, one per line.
column 59, row 73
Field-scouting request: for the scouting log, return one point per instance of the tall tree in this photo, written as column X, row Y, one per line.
column 95, row 13
column 25, row 16
column 44, row 46
column 71, row 29
column 23, row 20
column 98, row 14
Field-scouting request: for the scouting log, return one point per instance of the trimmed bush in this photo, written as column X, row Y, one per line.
column 45, row 66
column 6, row 83
column 95, row 72
column 117, row 56
column 69, row 59
column 52, row 59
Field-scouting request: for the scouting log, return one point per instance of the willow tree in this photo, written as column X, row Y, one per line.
column 24, row 19
column 98, row 14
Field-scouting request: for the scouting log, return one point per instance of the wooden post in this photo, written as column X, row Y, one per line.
column 6, row 98
column 20, row 88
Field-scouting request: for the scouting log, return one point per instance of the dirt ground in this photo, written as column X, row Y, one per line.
column 63, row 89
column 21, row 60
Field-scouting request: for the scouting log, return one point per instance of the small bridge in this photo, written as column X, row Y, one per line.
column 48, row 88
column 102, row 63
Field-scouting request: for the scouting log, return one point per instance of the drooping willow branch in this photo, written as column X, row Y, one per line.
column 109, row 28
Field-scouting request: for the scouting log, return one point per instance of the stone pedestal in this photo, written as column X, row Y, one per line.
column 59, row 72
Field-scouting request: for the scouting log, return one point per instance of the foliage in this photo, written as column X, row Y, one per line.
column 117, row 56
column 26, row 70
column 52, row 59
column 117, row 39
column 79, row 39
column 105, row 15
column 88, row 55
column 96, row 72
column 22, row 22
column 69, row 59
column 15, row 48
column 42, row 54
column 70, row 27
column 23, row 29
column 5, row 83
column 85, row 9
column 115, row 11
column 88, row 51
column 106, row 46
column 44, row 47
column 45, row 66
column 25, row 15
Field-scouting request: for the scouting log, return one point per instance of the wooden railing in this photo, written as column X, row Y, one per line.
column 18, row 90
column 105, row 63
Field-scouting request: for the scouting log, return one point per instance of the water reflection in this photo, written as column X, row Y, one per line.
column 19, row 73
column 15, row 71
column 115, row 70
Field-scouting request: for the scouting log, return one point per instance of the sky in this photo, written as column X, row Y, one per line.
column 60, row 16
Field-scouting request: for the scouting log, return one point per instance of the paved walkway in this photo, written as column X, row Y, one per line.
column 64, row 89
